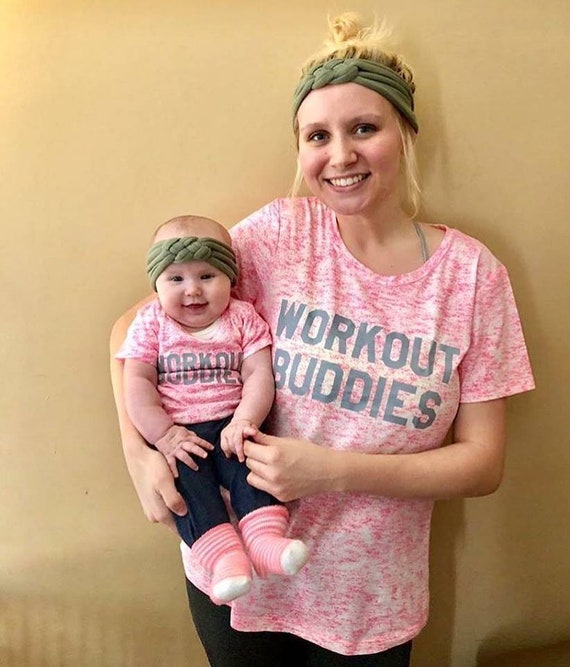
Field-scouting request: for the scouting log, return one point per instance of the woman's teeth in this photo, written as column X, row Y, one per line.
column 346, row 181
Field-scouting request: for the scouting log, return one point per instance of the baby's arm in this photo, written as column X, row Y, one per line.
column 258, row 392
column 145, row 410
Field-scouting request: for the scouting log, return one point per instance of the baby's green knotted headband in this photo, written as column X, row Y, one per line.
column 367, row 73
column 190, row 249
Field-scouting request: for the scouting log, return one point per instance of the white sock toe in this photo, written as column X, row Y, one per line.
column 294, row 557
column 231, row 588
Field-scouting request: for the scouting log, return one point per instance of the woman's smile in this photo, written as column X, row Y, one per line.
column 346, row 181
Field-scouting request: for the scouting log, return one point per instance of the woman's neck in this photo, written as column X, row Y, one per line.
column 386, row 243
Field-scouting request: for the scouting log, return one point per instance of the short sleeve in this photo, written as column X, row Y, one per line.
column 255, row 240
column 255, row 331
column 141, row 342
column 257, row 336
column 496, row 363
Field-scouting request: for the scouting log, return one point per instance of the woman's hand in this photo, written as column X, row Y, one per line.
column 471, row 465
column 154, row 484
column 288, row 468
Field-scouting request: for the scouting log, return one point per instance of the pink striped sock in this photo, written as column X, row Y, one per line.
column 270, row 552
column 221, row 552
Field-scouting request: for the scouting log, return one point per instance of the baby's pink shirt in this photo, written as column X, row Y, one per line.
column 199, row 379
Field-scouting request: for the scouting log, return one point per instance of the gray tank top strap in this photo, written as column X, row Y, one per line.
column 423, row 242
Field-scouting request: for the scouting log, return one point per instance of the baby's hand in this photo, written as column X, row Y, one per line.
column 234, row 434
column 178, row 443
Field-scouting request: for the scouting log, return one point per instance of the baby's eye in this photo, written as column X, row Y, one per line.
column 207, row 276
column 176, row 279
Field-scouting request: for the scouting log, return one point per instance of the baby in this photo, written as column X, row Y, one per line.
column 198, row 380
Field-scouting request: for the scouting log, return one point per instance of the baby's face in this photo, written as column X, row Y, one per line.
column 194, row 294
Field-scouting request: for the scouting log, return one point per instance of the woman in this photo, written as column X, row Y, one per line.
column 386, row 334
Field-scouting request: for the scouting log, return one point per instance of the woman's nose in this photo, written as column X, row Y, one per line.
column 342, row 152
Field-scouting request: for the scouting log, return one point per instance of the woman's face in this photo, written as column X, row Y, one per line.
column 350, row 149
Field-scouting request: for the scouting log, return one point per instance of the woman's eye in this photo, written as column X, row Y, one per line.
column 316, row 137
column 365, row 129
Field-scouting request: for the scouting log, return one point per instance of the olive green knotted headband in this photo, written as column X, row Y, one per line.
column 367, row 73
column 190, row 249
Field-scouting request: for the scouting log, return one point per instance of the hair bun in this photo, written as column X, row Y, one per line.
column 344, row 27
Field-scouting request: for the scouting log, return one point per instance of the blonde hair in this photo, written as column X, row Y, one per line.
column 349, row 38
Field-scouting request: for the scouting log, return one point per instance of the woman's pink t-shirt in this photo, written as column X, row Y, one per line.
column 375, row 364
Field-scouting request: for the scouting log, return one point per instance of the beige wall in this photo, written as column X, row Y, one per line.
column 116, row 116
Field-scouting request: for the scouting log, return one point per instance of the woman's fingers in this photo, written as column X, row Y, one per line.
column 267, row 470
column 253, row 479
column 172, row 499
column 264, row 439
column 260, row 450
column 158, row 494
column 288, row 468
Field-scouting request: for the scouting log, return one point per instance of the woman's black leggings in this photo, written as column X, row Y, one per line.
column 226, row 647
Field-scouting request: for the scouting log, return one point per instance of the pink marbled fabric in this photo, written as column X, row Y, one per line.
column 198, row 378
column 376, row 364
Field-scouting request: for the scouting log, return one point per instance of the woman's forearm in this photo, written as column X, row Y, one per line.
column 470, row 466
column 133, row 443
column 454, row 471
column 148, row 469
column 135, row 448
